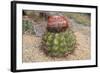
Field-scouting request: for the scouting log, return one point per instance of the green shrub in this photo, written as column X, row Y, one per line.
column 27, row 27
column 59, row 44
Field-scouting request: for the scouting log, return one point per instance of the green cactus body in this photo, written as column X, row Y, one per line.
column 58, row 44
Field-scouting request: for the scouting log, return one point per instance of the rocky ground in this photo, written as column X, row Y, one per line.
column 33, row 53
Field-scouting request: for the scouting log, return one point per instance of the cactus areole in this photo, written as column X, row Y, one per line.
column 57, row 23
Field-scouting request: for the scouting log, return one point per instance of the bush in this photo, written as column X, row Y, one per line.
column 27, row 27
column 59, row 44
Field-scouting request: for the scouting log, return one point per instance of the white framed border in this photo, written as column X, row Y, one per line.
column 40, row 65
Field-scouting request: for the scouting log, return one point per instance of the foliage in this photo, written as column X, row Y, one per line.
column 27, row 26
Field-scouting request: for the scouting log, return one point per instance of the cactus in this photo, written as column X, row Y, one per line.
column 59, row 44
column 27, row 26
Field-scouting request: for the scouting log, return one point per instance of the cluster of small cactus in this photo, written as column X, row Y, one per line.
column 58, row 44
column 27, row 26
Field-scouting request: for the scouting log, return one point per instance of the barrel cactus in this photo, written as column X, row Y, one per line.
column 58, row 44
